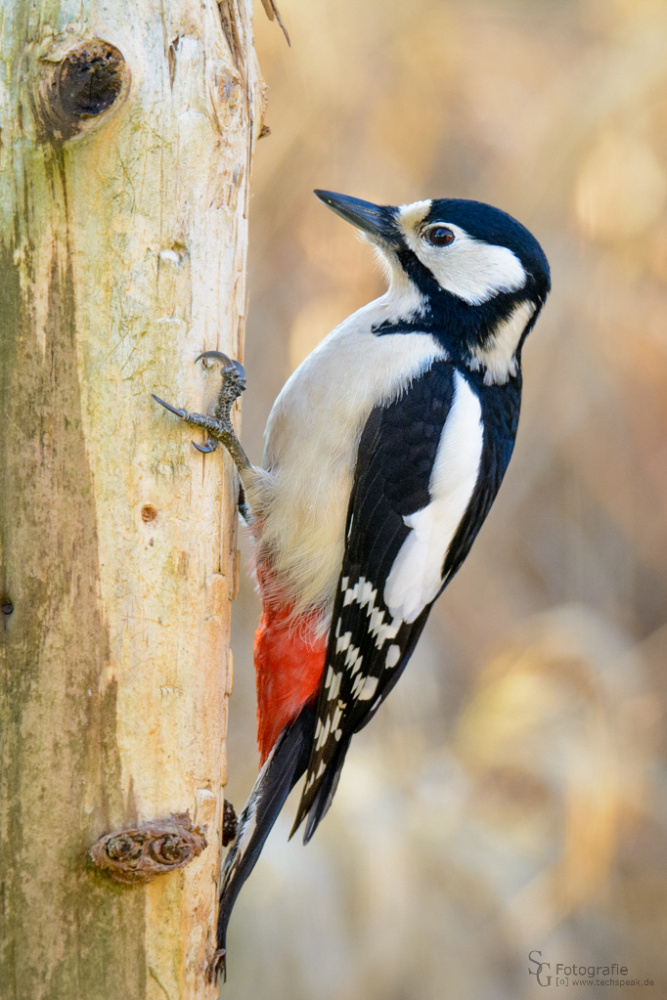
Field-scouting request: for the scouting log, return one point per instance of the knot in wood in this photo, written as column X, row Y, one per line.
column 124, row 848
column 75, row 89
column 148, row 513
column 170, row 850
column 140, row 855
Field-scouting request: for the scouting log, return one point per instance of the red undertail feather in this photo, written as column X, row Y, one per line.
column 289, row 661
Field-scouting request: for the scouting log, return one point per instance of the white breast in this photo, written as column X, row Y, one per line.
column 416, row 575
column 312, row 439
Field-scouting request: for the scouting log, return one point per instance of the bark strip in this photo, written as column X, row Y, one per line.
column 125, row 144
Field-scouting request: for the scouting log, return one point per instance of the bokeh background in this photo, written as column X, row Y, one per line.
column 510, row 796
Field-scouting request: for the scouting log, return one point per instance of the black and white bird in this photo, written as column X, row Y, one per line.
column 384, row 452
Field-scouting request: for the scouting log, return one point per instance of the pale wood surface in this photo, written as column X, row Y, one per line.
column 122, row 256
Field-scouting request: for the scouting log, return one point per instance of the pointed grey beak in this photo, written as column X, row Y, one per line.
column 375, row 220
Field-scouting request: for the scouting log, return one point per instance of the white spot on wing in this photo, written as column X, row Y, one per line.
column 393, row 656
column 368, row 689
column 343, row 641
column 364, row 594
column 364, row 688
column 353, row 659
column 337, row 716
column 324, row 735
column 416, row 575
column 358, row 685
column 334, row 690
column 383, row 632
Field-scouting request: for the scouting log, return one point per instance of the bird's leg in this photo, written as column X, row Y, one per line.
column 219, row 426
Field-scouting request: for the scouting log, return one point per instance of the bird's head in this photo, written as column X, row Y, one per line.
column 463, row 268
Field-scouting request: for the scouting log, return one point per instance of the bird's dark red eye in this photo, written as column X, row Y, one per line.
column 439, row 236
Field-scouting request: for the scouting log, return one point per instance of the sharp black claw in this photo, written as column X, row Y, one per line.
column 240, row 371
column 226, row 362
column 168, row 406
column 217, row 356
column 207, row 448
column 218, row 967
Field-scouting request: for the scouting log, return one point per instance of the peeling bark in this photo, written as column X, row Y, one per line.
column 125, row 144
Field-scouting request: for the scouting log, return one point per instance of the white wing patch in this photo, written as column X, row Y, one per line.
column 416, row 575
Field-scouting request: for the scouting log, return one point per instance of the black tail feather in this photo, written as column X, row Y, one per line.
column 315, row 806
column 325, row 792
column 283, row 767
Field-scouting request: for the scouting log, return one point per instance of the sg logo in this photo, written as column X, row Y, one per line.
column 542, row 979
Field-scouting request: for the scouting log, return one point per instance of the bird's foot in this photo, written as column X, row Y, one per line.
column 230, row 823
column 219, row 426
column 217, row 967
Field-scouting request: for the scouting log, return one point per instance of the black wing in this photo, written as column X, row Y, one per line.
column 367, row 648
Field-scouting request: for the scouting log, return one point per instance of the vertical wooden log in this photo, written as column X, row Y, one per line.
column 126, row 134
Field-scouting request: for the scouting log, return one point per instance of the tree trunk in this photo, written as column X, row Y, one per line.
column 127, row 129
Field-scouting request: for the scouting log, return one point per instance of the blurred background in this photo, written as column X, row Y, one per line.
column 509, row 797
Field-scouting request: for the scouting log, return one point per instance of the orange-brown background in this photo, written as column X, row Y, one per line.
column 510, row 794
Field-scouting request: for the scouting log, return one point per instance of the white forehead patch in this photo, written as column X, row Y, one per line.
column 497, row 356
column 410, row 216
column 468, row 268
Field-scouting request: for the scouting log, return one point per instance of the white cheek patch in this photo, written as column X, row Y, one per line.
column 468, row 268
column 498, row 353
column 416, row 575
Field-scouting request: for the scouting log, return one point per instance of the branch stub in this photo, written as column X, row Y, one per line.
column 140, row 855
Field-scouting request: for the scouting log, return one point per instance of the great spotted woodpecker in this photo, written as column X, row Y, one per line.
column 384, row 452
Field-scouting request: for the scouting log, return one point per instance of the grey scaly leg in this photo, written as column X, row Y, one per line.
column 219, row 426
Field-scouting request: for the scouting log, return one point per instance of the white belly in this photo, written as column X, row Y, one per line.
column 312, row 437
